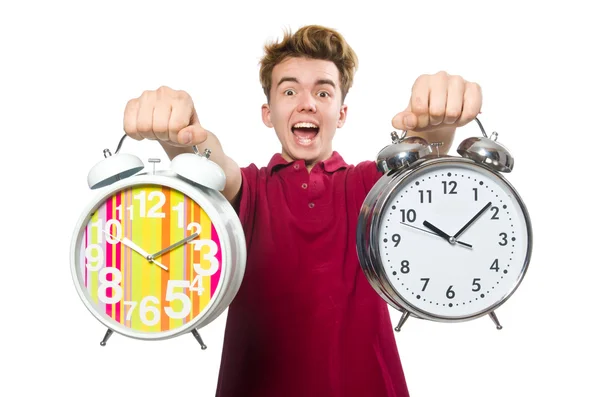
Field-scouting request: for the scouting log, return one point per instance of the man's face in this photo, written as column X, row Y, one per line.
column 305, row 108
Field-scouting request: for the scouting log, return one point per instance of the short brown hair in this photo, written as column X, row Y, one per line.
column 313, row 42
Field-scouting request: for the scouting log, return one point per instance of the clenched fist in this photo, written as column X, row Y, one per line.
column 439, row 101
column 166, row 115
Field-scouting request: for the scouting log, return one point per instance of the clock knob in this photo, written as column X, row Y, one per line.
column 113, row 168
column 402, row 152
column 487, row 151
column 199, row 169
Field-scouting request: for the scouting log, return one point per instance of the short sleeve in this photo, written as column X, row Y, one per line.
column 246, row 208
column 368, row 174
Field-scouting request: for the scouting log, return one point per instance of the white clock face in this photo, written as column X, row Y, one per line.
column 441, row 277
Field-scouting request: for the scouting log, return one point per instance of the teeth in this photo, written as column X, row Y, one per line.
column 305, row 125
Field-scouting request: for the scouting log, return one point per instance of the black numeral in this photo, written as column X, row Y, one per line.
column 426, row 282
column 396, row 239
column 475, row 190
column 495, row 266
column 422, row 194
column 476, row 285
column 496, row 210
column 410, row 215
column 452, row 185
column 449, row 293
column 404, row 267
column 504, row 239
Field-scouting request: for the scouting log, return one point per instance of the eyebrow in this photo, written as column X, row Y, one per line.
column 295, row 80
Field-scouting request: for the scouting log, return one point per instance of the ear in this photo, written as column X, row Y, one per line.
column 343, row 114
column 266, row 115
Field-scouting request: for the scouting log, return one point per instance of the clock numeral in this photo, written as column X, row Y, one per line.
column 495, row 266
column 410, row 215
column 153, row 212
column 113, row 284
column 404, row 267
column 422, row 195
column 449, row 293
column 145, row 309
column 476, row 285
column 171, row 295
column 209, row 256
column 504, row 239
column 424, row 285
column 396, row 239
column 475, row 191
column 496, row 210
column 94, row 262
column 452, row 185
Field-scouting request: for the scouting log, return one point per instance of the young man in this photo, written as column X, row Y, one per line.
column 305, row 322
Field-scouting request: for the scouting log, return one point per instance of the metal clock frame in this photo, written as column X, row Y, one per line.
column 369, row 223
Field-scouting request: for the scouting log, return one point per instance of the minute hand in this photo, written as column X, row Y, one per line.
column 174, row 245
column 466, row 226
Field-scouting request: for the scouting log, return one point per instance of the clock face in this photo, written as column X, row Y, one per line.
column 441, row 277
column 129, row 291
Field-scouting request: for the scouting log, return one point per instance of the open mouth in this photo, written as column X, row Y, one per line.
column 305, row 132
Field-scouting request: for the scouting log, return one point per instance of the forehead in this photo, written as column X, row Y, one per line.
column 306, row 71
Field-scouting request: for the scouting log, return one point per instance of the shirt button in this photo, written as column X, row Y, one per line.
column 304, row 186
column 296, row 166
column 311, row 205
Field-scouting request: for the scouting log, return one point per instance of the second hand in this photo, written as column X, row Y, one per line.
column 430, row 232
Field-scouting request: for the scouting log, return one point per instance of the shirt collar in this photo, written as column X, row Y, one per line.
column 332, row 164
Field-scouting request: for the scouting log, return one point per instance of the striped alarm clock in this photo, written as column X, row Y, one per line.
column 159, row 254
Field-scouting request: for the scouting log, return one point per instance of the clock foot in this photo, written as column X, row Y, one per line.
column 495, row 320
column 107, row 335
column 405, row 316
column 199, row 339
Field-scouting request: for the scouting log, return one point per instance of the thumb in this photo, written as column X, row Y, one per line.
column 193, row 134
column 405, row 120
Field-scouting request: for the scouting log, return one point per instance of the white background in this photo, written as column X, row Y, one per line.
column 68, row 69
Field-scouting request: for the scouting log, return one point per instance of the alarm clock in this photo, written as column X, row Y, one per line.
column 444, row 238
column 155, row 255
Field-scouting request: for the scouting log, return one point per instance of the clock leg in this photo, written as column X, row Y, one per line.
column 107, row 335
column 199, row 339
column 495, row 320
column 405, row 316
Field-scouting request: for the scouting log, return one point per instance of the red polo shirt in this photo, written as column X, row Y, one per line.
column 306, row 321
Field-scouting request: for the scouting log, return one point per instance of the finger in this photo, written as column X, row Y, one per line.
column 419, row 101
column 160, row 120
column 471, row 103
column 454, row 102
column 194, row 134
column 405, row 120
column 130, row 119
column 438, row 93
column 145, row 115
column 181, row 118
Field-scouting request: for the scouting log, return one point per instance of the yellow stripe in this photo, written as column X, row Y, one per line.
column 205, row 235
column 177, row 233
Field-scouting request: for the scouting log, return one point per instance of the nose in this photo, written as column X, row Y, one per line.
column 306, row 103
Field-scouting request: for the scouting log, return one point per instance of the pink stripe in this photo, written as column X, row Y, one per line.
column 108, row 255
column 214, row 279
column 85, row 270
column 118, row 249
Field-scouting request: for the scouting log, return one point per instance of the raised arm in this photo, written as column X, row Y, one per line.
column 169, row 117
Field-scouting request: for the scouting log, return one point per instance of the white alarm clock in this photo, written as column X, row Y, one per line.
column 159, row 254
column 444, row 238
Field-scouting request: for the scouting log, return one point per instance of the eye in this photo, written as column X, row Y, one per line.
column 288, row 92
column 323, row 94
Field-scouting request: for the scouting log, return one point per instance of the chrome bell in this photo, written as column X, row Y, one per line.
column 402, row 152
column 487, row 151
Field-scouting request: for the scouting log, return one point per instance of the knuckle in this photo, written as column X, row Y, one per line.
column 452, row 114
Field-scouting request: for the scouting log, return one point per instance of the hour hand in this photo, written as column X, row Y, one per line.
column 444, row 235
column 137, row 249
